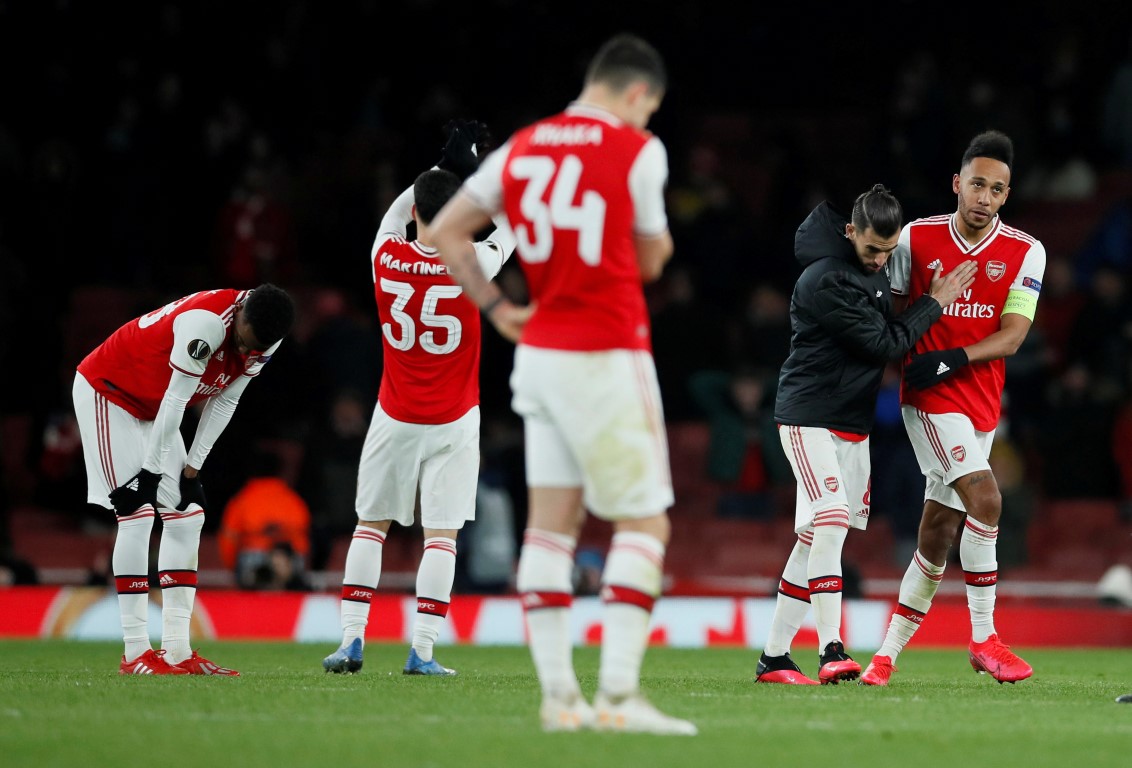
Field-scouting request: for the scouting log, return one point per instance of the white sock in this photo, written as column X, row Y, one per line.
column 917, row 589
column 824, row 573
column 630, row 586
column 359, row 581
column 434, row 592
column 544, row 580
column 978, row 553
column 793, row 601
column 130, row 561
column 177, row 577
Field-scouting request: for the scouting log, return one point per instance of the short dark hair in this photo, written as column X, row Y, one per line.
column 431, row 190
column 993, row 144
column 878, row 208
column 625, row 58
column 270, row 311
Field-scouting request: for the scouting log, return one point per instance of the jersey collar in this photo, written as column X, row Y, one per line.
column 961, row 242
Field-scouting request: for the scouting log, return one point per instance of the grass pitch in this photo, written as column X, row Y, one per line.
column 62, row 703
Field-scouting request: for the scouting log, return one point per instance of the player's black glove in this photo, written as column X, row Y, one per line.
column 135, row 493
column 466, row 145
column 931, row 368
column 192, row 492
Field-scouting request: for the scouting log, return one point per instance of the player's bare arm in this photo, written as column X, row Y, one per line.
column 1003, row 342
column 652, row 254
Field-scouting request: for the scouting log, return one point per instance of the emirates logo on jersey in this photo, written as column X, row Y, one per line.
column 959, row 453
column 995, row 270
column 831, row 484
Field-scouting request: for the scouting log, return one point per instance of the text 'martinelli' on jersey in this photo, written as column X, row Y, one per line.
column 553, row 135
column 413, row 267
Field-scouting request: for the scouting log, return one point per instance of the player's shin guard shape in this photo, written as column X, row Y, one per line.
column 793, row 602
column 823, row 573
column 434, row 592
column 544, row 582
column 359, row 581
column 917, row 589
column 630, row 586
column 130, row 561
column 978, row 553
column 177, row 577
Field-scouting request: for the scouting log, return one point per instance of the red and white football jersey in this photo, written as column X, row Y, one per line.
column 576, row 188
column 193, row 334
column 430, row 333
column 1009, row 260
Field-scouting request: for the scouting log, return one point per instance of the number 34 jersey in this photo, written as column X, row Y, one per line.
column 576, row 188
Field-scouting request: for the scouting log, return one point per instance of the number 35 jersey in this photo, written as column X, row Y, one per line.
column 576, row 188
column 430, row 333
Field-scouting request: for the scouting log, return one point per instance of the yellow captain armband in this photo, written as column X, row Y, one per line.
column 1023, row 303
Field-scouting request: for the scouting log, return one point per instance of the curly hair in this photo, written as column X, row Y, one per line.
column 271, row 312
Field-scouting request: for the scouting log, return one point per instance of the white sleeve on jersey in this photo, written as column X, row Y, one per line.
column 167, row 423
column 493, row 252
column 1033, row 269
column 900, row 263
column 395, row 222
column 647, row 179
column 485, row 186
column 197, row 334
column 214, row 418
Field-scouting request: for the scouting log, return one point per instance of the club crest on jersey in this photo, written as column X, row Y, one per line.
column 995, row 270
column 959, row 453
column 831, row 484
column 199, row 349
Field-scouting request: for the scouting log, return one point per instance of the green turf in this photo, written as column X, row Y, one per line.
column 62, row 703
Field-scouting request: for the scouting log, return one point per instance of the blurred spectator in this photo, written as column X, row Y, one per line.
column 685, row 339
column 744, row 453
column 264, row 513
column 329, row 476
column 1099, row 339
column 1116, row 117
column 16, row 572
column 283, row 570
column 761, row 335
column 255, row 235
column 1076, row 441
column 1061, row 302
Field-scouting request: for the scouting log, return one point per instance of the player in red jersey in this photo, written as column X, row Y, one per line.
column 130, row 395
column 584, row 193
column 951, row 397
column 424, row 435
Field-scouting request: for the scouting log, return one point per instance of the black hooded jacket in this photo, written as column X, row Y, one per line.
column 842, row 331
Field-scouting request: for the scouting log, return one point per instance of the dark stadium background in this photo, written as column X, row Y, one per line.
column 126, row 128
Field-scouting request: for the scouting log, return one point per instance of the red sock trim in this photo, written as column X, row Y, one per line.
column 823, row 584
column 980, row 578
column 132, row 585
column 611, row 593
column 358, row 593
column 794, row 591
column 432, row 607
column 914, row 616
column 178, row 578
column 534, row 601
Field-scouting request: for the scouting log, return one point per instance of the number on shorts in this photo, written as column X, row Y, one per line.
column 588, row 218
column 429, row 318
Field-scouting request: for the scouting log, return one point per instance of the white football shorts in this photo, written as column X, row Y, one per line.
column 594, row 420
column 947, row 447
column 832, row 473
column 114, row 448
column 442, row 460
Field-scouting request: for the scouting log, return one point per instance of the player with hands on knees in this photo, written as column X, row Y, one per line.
column 130, row 395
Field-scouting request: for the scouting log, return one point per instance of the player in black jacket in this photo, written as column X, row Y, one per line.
column 843, row 334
